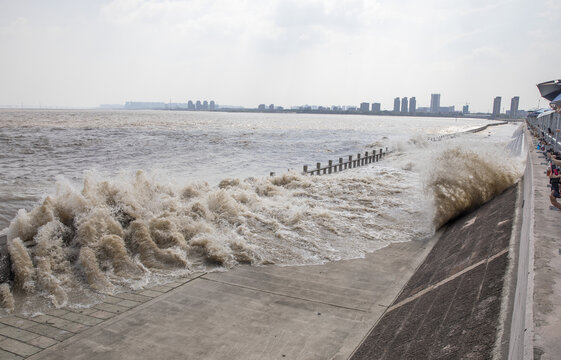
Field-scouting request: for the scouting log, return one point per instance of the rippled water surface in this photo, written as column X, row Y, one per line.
column 100, row 201
column 38, row 146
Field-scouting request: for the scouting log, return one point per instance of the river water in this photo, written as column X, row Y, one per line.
column 105, row 200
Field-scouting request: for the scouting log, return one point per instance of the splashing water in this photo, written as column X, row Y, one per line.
column 105, row 234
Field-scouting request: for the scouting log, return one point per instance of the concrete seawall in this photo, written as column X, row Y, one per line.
column 521, row 342
column 451, row 307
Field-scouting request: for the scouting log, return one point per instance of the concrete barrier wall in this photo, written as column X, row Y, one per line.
column 521, row 342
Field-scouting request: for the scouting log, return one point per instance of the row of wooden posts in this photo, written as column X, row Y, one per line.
column 442, row 137
column 343, row 165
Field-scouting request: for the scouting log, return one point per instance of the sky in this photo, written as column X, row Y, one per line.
column 80, row 53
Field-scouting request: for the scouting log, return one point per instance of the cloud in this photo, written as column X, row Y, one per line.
column 17, row 26
column 286, row 51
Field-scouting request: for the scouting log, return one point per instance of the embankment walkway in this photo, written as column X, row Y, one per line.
column 545, row 261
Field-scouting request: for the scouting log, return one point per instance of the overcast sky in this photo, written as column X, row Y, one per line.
column 286, row 52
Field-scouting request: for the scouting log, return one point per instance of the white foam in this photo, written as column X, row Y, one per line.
column 138, row 228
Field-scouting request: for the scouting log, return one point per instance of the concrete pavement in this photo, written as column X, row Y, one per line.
column 546, row 286
column 304, row 312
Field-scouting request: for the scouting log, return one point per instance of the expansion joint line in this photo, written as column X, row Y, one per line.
column 285, row 295
column 448, row 279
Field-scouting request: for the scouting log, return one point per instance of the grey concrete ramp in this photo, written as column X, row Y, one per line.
column 305, row 312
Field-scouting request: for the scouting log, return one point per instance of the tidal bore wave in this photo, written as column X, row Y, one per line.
column 107, row 235
column 130, row 230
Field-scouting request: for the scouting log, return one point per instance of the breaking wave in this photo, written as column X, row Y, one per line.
column 128, row 231
column 461, row 174
column 109, row 234
column 465, row 180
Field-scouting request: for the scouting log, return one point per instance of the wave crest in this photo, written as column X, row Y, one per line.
column 133, row 230
column 464, row 180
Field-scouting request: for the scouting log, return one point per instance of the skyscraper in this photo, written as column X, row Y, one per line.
column 497, row 106
column 364, row 107
column 396, row 104
column 435, row 103
column 376, row 107
column 465, row 109
column 412, row 105
column 514, row 106
column 404, row 105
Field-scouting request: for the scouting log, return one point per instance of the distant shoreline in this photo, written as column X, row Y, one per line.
column 283, row 111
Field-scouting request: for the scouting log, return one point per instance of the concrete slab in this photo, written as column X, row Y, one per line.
column 306, row 312
column 547, row 267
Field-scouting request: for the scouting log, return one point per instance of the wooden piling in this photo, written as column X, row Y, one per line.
column 360, row 160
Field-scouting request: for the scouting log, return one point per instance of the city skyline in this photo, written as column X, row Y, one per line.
column 78, row 54
column 404, row 105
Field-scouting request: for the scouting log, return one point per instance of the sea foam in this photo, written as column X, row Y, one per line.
column 109, row 234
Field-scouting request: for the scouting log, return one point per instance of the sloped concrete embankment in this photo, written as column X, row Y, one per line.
column 451, row 306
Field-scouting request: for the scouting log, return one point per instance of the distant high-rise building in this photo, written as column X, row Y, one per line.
column 396, row 104
column 514, row 106
column 465, row 109
column 205, row 105
column 190, row 105
column 412, row 105
column 198, row 105
column 272, row 107
column 497, row 106
column 364, row 107
column 376, row 107
column 404, row 105
column 261, row 107
column 434, row 103
column 212, row 105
